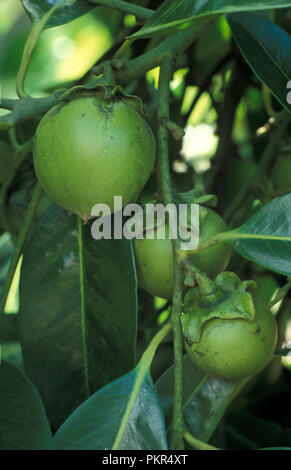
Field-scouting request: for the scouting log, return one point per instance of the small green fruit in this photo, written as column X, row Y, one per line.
column 90, row 149
column 235, row 347
column 154, row 258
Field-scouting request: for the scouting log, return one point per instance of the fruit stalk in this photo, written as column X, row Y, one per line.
column 26, row 108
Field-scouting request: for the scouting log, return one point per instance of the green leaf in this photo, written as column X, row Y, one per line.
column 96, row 423
column 23, row 422
column 267, row 50
column 205, row 398
column 177, row 15
column 266, row 237
column 37, row 8
column 78, row 311
column 246, row 430
column 8, row 328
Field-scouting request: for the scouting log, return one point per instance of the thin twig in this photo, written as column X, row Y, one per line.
column 165, row 189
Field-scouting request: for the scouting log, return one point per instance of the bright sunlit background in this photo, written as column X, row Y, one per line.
column 63, row 53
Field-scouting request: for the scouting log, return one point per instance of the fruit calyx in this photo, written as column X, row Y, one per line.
column 229, row 301
column 107, row 93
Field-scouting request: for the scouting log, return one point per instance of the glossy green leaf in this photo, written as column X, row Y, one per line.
column 269, row 241
column 78, row 311
column 267, row 50
column 96, row 423
column 23, row 422
column 37, row 8
column 205, row 398
column 178, row 15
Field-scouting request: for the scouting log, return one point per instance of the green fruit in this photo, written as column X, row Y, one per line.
column 238, row 347
column 281, row 172
column 89, row 149
column 154, row 258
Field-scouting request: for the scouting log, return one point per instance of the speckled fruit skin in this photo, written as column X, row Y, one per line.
column 281, row 172
column 236, row 348
column 154, row 258
column 89, row 150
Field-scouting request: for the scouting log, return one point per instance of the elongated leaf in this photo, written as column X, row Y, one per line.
column 78, row 311
column 37, row 8
column 177, row 15
column 269, row 243
column 205, row 398
column 23, row 422
column 95, row 424
column 8, row 328
column 267, row 49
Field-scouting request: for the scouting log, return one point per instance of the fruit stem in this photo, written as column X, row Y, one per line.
column 165, row 190
column 123, row 49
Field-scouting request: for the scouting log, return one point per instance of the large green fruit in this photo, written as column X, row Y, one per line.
column 89, row 149
column 154, row 258
column 234, row 348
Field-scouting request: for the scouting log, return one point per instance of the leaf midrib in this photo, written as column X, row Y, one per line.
column 83, row 313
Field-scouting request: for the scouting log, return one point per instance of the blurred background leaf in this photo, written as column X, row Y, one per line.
column 63, row 54
column 267, row 50
column 23, row 422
